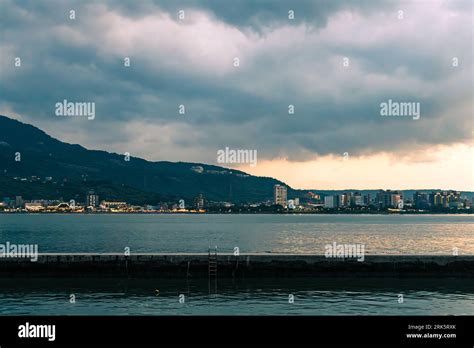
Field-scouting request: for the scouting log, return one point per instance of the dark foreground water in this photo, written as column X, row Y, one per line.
column 322, row 296
column 380, row 234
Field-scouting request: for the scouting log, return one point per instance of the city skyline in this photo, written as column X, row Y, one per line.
column 381, row 201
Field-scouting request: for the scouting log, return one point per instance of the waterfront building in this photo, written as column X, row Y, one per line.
column 63, row 207
column 452, row 197
column 329, row 202
column 367, row 199
column 113, row 205
column 19, row 202
column 349, row 198
column 421, row 200
column 357, row 200
column 388, row 199
column 397, row 200
column 340, row 200
column 34, row 207
column 280, row 195
column 199, row 202
column 92, row 200
column 444, row 198
column 435, row 199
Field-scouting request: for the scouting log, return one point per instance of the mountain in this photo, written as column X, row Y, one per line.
column 51, row 169
column 71, row 170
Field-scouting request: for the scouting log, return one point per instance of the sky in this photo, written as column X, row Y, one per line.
column 238, row 67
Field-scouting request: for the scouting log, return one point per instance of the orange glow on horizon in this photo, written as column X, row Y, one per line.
column 447, row 167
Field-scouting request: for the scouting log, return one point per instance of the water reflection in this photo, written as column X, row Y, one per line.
column 321, row 296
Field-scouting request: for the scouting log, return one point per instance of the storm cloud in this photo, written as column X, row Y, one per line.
column 335, row 62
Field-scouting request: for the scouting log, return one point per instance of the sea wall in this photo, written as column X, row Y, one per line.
column 228, row 266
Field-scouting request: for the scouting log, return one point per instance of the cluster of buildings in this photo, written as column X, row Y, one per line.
column 388, row 199
column 92, row 203
column 441, row 201
column 381, row 200
column 39, row 205
column 348, row 199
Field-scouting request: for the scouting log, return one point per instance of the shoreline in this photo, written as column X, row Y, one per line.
column 238, row 213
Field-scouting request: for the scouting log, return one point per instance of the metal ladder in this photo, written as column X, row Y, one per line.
column 212, row 268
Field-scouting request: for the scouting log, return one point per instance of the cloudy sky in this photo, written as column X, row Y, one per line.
column 335, row 62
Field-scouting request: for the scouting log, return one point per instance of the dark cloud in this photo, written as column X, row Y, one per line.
column 282, row 63
column 254, row 14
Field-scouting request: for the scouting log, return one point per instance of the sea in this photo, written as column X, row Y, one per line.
column 251, row 233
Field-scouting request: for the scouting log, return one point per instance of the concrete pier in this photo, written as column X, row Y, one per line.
column 229, row 266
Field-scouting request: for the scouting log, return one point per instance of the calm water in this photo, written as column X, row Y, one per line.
column 435, row 234
column 381, row 234
column 255, row 297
